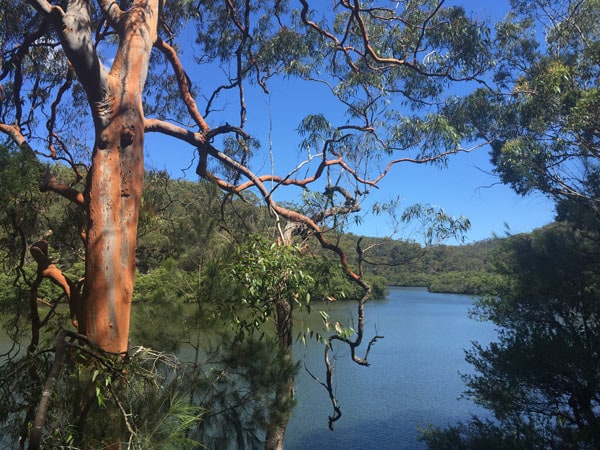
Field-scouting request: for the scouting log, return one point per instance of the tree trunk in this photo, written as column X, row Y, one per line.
column 115, row 181
column 114, row 193
column 281, row 408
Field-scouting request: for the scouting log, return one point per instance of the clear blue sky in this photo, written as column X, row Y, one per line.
column 465, row 187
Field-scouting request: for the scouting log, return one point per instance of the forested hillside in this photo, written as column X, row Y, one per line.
column 187, row 226
column 170, row 233
column 468, row 268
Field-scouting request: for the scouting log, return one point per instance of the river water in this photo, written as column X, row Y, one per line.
column 414, row 376
column 413, row 380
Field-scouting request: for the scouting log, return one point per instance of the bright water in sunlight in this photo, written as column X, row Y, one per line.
column 414, row 377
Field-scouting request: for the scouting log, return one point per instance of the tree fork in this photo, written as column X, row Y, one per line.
column 114, row 186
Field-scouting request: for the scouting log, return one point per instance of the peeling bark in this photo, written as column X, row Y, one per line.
column 114, row 186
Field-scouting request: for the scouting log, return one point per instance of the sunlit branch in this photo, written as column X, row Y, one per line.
column 14, row 133
column 183, row 82
column 199, row 140
column 336, row 43
column 112, row 11
column 292, row 172
column 355, row 11
column 43, row 6
column 73, row 25
column 47, row 269
column 426, row 160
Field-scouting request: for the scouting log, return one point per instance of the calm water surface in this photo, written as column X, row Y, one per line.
column 414, row 377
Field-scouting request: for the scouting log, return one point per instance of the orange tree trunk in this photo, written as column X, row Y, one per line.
column 115, row 180
column 114, row 192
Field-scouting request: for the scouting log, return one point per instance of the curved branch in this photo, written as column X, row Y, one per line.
column 426, row 160
column 184, row 84
column 53, row 107
column 43, row 6
column 50, row 183
column 112, row 11
column 14, row 132
column 47, row 269
column 73, row 25
column 336, row 42
column 311, row 224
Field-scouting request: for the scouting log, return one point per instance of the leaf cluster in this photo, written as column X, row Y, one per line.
column 541, row 116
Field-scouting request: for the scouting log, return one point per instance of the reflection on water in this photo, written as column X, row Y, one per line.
column 414, row 377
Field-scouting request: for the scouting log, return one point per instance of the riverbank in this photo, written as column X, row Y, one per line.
column 467, row 283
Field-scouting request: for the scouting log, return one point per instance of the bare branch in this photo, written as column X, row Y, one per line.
column 184, row 84
column 50, row 183
column 52, row 120
column 427, row 159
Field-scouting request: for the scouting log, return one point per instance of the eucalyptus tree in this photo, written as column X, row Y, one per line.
column 540, row 378
column 85, row 82
column 541, row 115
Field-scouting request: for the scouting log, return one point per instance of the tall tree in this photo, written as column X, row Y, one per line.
column 541, row 116
column 100, row 75
column 541, row 378
column 52, row 54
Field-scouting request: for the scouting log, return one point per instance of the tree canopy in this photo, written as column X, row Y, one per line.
column 84, row 82
column 540, row 378
column 541, row 114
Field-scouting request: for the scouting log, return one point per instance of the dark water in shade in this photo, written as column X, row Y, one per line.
column 414, row 377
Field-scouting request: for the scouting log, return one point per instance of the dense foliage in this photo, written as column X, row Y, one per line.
column 181, row 287
column 541, row 378
column 102, row 75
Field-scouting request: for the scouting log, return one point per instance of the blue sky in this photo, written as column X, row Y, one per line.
column 465, row 187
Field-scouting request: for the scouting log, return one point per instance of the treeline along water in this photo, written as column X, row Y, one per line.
column 414, row 378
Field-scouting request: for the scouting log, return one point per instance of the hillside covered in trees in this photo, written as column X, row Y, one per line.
column 170, row 232
column 465, row 269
